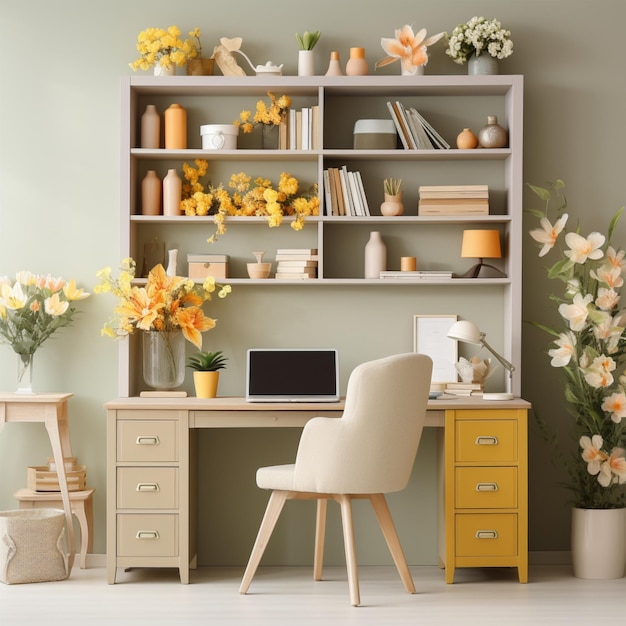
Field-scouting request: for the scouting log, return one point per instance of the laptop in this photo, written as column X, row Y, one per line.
column 292, row 375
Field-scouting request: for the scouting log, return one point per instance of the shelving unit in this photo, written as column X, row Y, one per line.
column 450, row 103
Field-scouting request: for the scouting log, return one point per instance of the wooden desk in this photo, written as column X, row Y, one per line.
column 149, row 481
column 51, row 409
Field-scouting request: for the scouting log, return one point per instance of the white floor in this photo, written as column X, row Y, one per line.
column 289, row 596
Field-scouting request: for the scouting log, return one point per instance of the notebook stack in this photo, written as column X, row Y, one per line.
column 296, row 263
column 464, row 389
column 453, row 200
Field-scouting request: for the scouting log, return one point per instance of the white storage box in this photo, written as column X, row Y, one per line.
column 203, row 265
column 375, row 135
column 219, row 136
column 32, row 546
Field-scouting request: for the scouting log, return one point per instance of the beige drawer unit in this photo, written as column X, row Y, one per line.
column 148, row 489
column 486, row 490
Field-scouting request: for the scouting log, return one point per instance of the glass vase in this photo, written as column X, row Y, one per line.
column 163, row 359
column 25, row 373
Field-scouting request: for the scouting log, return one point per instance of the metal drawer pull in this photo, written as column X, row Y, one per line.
column 147, row 440
column 147, row 534
column 148, row 487
column 486, row 534
column 486, row 441
column 486, row 486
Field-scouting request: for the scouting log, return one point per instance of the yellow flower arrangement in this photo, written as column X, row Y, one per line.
column 164, row 304
column 273, row 114
column 258, row 197
column 165, row 48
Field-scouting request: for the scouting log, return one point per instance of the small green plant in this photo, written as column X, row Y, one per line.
column 307, row 40
column 392, row 186
column 207, row 361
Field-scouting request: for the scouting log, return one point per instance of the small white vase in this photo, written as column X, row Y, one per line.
column 416, row 70
column 375, row 256
column 172, row 262
column 484, row 64
column 160, row 70
column 599, row 543
column 306, row 63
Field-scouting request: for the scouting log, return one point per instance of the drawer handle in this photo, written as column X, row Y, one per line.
column 148, row 487
column 486, row 441
column 147, row 440
column 147, row 534
column 486, row 486
column 486, row 534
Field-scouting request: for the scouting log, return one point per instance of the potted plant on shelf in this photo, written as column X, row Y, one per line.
column 590, row 349
column 269, row 117
column 410, row 48
column 164, row 50
column 206, row 366
column 393, row 197
column 481, row 43
column 199, row 65
column 306, row 61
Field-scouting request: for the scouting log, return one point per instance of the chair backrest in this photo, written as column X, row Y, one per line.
column 372, row 448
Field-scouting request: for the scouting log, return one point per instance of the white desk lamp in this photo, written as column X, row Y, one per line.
column 468, row 332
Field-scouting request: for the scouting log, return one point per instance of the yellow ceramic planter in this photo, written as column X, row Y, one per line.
column 206, row 384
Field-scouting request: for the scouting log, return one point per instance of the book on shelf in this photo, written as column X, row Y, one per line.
column 294, row 276
column 347, row 194
column 298, row 264
column 453, row 191
column 417, row 275
column 465, row 392
column 415, row 132
column 448, row 208
column 400, row 127
column 436, row 139
column 466, row 386
column 297, row 251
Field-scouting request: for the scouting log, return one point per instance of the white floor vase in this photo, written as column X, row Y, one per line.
column 599, row 543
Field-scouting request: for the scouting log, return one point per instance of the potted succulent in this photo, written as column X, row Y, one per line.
column 206, row 366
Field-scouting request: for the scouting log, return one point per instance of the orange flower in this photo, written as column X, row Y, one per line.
column 409, row 47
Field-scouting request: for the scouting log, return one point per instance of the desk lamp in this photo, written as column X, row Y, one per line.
column 481, row 244
column 468, row 332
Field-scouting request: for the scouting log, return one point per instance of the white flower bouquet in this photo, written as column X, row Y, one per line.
column 479, row 36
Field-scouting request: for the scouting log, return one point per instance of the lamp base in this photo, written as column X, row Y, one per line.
column 483, row 270
column 498, row 396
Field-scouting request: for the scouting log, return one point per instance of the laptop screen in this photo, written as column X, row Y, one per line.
column 292, row 375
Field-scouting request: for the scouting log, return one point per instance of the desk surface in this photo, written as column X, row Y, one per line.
column 235, row 412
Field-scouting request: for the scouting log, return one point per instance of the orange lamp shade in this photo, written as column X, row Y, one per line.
column 481, row 244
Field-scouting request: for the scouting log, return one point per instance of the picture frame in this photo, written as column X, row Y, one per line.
column 430, row 337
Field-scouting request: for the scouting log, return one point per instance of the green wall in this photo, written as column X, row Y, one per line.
column 59, row 190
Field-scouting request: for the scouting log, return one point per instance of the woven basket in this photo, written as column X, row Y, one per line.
column 32, row 546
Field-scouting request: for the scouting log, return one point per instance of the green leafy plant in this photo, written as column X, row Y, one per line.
column 207, row 361
column 307, row 40
column 392, row 186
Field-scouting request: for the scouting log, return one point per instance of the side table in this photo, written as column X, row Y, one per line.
column 51, row 409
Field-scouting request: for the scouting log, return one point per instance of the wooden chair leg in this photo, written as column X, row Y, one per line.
column 320, row 536
column 272, row 512
column 379, row 504
column 350, row 548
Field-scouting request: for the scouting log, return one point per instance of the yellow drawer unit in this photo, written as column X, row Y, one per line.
column 486, row 490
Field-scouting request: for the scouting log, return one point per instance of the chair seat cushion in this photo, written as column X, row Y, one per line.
column 276, row 477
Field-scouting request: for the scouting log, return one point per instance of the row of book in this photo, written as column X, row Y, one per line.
column 344, row 192
column 415, row 132
column 296, row 263
column 453, row 200
column 300, row 130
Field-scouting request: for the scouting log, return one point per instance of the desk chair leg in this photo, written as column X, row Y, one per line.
column 272, row 512
column 320, row 536
column 386, row 524
column 349, row 545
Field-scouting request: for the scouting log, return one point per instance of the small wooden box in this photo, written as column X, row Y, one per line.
column 40, row 478
column 204, row 265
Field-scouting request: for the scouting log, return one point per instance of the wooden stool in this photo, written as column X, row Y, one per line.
column 82, row 506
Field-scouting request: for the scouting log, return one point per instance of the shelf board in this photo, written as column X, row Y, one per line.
column 224, row 155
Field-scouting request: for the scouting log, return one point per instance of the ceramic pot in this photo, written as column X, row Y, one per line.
column 357, row 64
column 482, row 64
column 205, row 384
column 175, row 127
column 466, row 140
column 306, row 63
column 599, row 543
column 163, row 359
column 151, row 194
column 392, row 205
column 150, row 128
column 375, row 256
column 334, row 65
column 492, row 135
column 25, row 374
column 160, row 70
column 269, row 136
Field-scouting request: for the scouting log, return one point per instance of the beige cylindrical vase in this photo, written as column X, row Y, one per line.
column 375, row 256
column 175, row 127
column 150, row 128
column 172, row 193
column 151, row 194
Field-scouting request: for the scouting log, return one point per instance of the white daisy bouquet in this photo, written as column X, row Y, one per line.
column 479, row 36
column 589, row 348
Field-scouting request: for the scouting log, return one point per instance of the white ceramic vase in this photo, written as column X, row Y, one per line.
column 306, row 63
column 375, row 256
column 160, row 70
column 599, row 543
column 483, row 64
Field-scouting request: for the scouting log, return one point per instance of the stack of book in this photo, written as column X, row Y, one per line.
column 301, row 129
column 464, row 389
column 453, row 200
column 415, row 132
column 296, row 263
column 344, row 193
